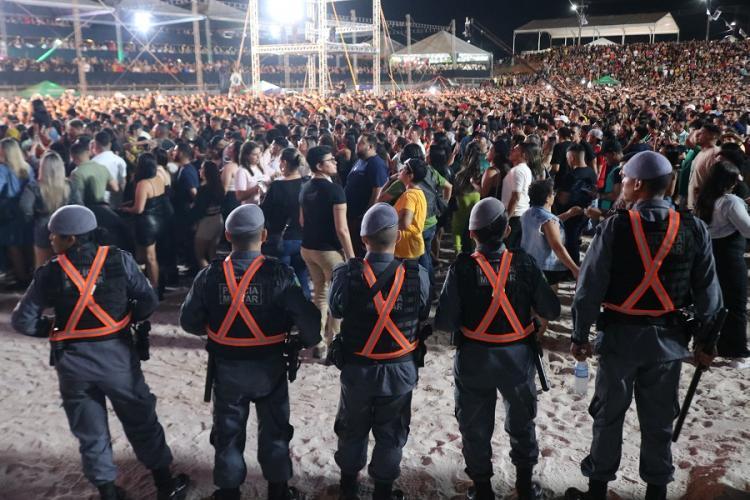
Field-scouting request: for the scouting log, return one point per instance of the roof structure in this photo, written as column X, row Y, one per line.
column 439, row 47
column 600, row 41
column 656, row 23
column 124, row 12
column 87, row 6
column 219, row 11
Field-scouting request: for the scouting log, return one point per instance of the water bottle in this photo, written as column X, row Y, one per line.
column 581, row 377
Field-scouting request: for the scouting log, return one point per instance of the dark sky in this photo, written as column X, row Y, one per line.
column 502, row 16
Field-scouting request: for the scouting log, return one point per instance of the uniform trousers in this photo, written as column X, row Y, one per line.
column 480, row 372
column 91, row 372
column 238, row 383
column 655, row 385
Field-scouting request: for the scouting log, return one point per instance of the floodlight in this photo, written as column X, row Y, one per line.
column 433, row 90
column 275, row 31
column 142, row 20
column 286, row 12
column 573, row 6
column 583, row 81
column 733, row 23
column 57, row 42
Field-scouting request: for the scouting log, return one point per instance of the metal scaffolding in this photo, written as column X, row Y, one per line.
column 318, row 43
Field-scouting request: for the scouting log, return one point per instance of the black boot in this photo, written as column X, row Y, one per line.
column 282, row 491
column 108, row 491
column 226, row 494
column 597, row 491
column 348, row 487
column 170, row 487
column 525, row 488
column 482, row 490
column 385, row 491
column 656, row 492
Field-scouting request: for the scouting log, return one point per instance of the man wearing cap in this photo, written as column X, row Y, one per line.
column 96, row 293
column 247, row 306
column 381, row 300
column 488, row 302
column 643, row 267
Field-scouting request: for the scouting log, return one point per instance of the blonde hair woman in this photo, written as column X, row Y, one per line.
column 15, row 233
column 39, row 200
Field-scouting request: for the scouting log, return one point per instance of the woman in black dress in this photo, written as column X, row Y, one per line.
column 281, row 208
column 206, row 214
column 150, row 209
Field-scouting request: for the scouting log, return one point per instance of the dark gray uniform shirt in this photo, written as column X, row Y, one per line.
column 194, row 310
column 27, row 315
column 389, row 379
column 656, row 343
column 448, row 317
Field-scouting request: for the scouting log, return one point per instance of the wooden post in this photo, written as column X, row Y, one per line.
column 82, row 84
column 197, row 47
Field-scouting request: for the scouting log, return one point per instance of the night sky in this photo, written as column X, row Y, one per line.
column 502, row 16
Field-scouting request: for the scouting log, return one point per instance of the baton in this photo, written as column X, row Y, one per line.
column 709, row 347
column 536, row 349
column 209, row 379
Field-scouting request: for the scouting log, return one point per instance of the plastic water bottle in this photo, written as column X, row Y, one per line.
column 581, row 377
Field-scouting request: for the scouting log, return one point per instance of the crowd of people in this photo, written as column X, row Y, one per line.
column 533, row 169
column 663, row 63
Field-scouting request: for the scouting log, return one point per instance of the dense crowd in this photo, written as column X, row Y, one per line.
column 163, row 171
column 657, row 64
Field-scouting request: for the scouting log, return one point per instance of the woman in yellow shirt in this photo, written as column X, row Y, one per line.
column 412, row 210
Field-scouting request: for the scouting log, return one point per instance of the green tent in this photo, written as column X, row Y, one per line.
column 45, row 88
column 607, row 80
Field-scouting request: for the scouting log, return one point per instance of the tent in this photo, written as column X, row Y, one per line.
column 385, row 46
column 607, row 80
column 219, row 11
column 620, row 26
column 599, row 42
column 439, row 49
column 44, row 89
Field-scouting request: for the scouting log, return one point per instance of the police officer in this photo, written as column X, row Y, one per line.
column 247, row 304
column 380, row 300
column 487, row 302
column 96, row 293
column 644, row 266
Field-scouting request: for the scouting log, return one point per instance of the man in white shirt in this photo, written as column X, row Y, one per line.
column 271, row 159
column 101, row 148
column 515, row 192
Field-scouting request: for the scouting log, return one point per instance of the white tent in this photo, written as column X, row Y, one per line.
column 385, row 46
column 621, row 26
column 219, row 11
column 440, row 48
column 88, row 6
column 600, row 41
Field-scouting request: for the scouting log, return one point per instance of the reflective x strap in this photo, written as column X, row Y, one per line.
column 237, row 292
column 652, row 266
column 384, row 308
column 86, row 290
column 499, row 297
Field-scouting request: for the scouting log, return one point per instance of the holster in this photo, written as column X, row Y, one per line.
column 291, row 357
column 457, row 338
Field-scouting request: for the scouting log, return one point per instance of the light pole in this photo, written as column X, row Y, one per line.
column 708, row 18
column 580, row 14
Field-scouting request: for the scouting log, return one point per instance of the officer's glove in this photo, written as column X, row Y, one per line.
column 581, row 351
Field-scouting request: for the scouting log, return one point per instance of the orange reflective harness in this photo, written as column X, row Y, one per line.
column 237, row 306
column 499, row 301
column 384, row 322
column 86, row 301
column 651, row 268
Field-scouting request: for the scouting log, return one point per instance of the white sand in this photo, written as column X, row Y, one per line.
column 39, row 456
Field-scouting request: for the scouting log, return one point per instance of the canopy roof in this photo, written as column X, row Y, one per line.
column 87, row 6
column 219, row 11
column 439, row 47
column 124, row 12
column 601, row 41
column 656, row 23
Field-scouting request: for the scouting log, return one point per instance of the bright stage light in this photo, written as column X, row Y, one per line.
column 286, row 12
column 549, row 87
column 275, row 31
column 583, row 81
column 57, row 42
column 433, row 90
column 142, row 20
column 573, row 6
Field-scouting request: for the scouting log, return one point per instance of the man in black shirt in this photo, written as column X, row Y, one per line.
column 576, row 189
column 559, row 163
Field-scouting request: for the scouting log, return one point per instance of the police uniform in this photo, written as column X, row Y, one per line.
column 487, row 302
column 246, row 343
column 643, row 266
column 96, row 292
column 378, row 341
